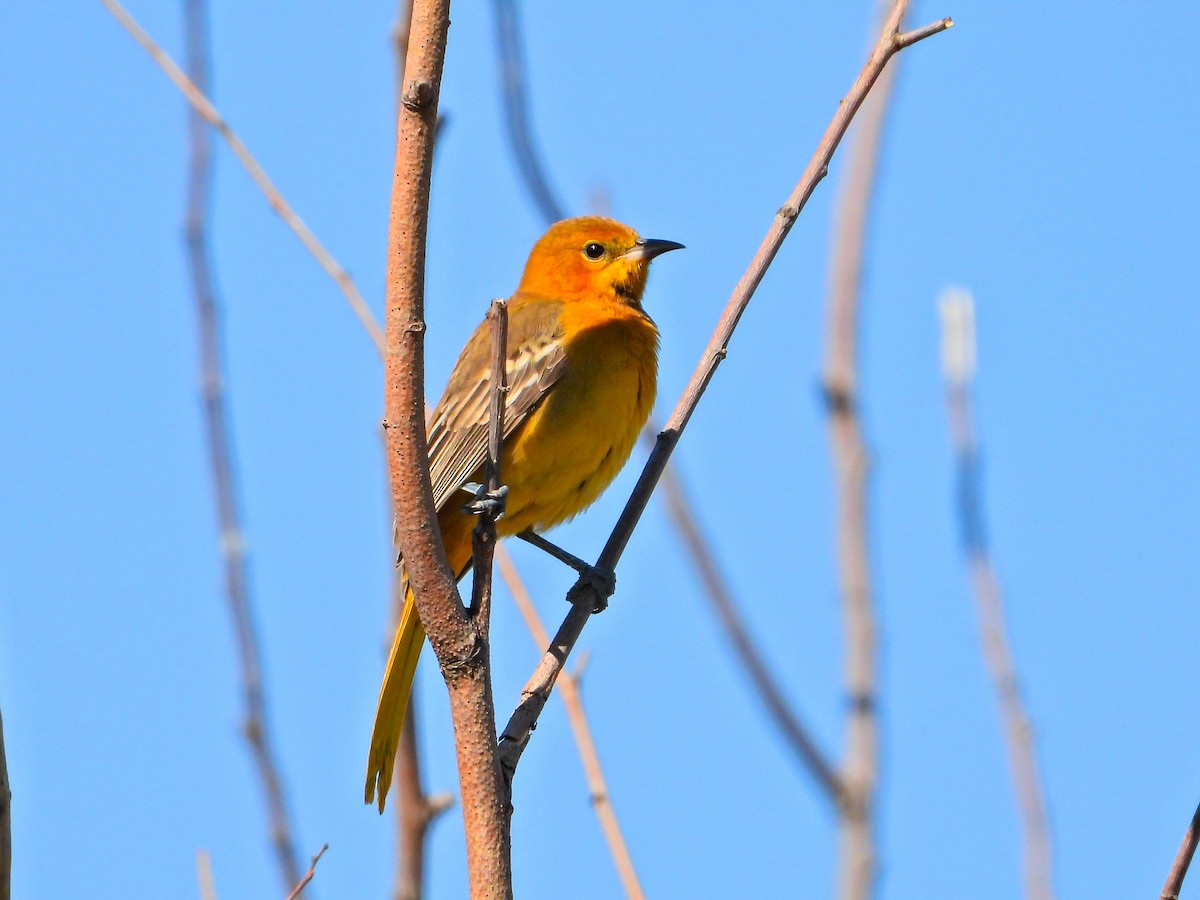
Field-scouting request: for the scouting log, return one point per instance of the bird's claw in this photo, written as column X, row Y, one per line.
column 492, row 502
column 602, row 582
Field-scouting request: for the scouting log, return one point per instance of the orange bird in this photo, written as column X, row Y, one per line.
column 582, row 367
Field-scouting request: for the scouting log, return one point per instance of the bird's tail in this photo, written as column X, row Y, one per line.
column 393, row 700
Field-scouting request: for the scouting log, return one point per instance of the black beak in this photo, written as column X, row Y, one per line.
column 649, row 248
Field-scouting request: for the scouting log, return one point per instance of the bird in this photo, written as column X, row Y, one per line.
column 582, row 363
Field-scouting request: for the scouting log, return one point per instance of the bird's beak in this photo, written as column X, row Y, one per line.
column 648, row 248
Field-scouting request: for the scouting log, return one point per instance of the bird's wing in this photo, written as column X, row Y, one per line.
column 459, row 427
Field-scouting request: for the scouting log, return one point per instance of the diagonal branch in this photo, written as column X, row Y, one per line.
column 585, row 595
column 460, row 646
column 204, row 107
column 533, row 172
column 1183, row 859
column 5, row 824
column 568, row 684
column 769, row 690
column 220, row 453
column 958, row 358
column 516, row 112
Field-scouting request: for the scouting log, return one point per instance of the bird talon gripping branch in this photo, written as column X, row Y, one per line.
column 582, row 367
column 494, row 502
column 602, row 582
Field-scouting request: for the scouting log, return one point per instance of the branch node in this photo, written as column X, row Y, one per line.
column 418, row 96
column 839, row 400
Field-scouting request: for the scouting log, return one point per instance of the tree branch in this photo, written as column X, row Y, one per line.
column 769, row 690
column 483, row 537
column 584, row 595
column 1183, row 859
column 220, row 453
column 196, row 97
column 308, row 876
column 958, row 358
column 516, row 112
column 859, row 768
column 460, row 647
column 5, row 824
column 573, row 702
column 533, row 171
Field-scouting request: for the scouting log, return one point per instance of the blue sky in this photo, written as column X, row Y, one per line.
column 1045, row 162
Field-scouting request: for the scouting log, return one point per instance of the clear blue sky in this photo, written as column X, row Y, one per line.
column 1046, row 161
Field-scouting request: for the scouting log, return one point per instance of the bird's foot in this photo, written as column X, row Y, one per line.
column 491, row 502
column 603, row 582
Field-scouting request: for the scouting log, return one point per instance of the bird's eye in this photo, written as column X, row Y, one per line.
column 593, row 250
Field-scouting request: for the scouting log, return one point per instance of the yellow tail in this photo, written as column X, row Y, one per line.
column 393, row 700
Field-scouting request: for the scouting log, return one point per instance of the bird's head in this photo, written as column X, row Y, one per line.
column 591, row 257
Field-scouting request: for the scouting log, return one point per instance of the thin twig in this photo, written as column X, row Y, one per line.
column 461, row 648
column 859, row 768
column 1183, row 859
column 220, row 453
column 196, row 97
column 516, row 112
column 585, row 595
column 5, row 824
column 204, row 876
column 573, row 702
column 308, row 876
column 786, row 719
column 958, row 357
column 483, row 537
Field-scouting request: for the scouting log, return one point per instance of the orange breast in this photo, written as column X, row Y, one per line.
column 576, row 442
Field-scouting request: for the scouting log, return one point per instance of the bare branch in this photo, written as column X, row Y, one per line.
column 416, row 811
column 483, row 538
column 5, row 824
column 1183, row 859
column 786, row 719
column 461, row 649
column 196, row 97
column 220, row 454
column 204, row 876
column 585, row 595
column 308, row 876
column 859, row 770
column 573, row 702
column 958, row 343
column 516, row 112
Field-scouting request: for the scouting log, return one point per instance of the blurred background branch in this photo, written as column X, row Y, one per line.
column 859, row 770
column 958, row 365
column 516, row 113
column 770, row 692
column 255, row 725
column 569, row 691
column 204, row 107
